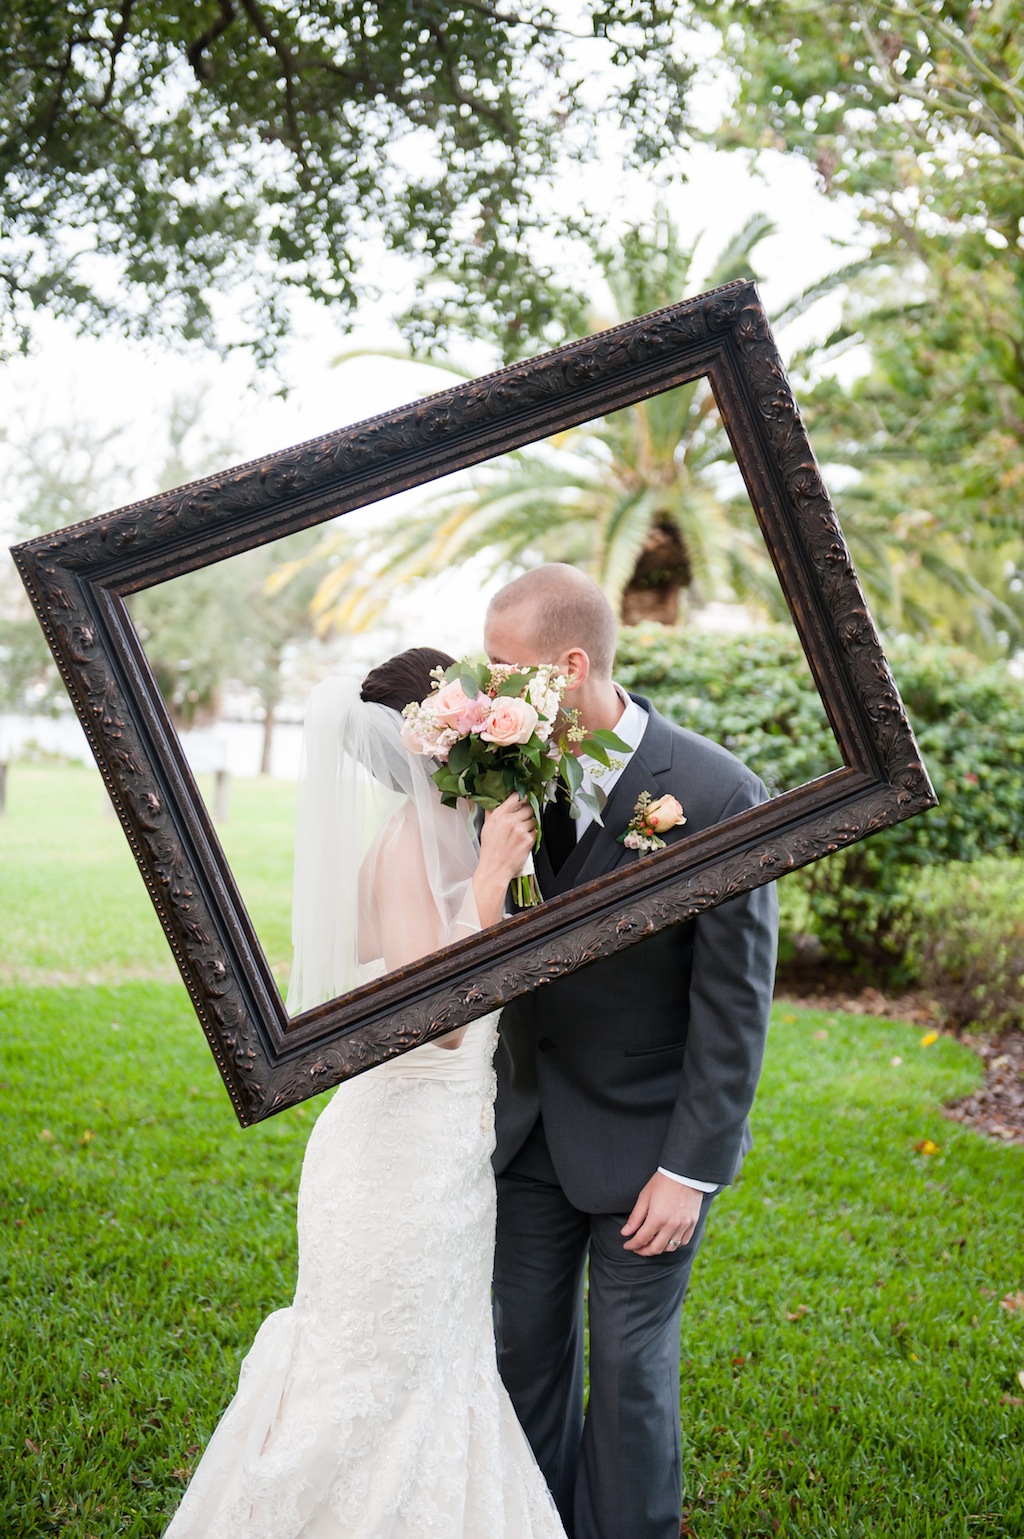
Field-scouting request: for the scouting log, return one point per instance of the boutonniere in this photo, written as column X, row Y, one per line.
column 651, row 817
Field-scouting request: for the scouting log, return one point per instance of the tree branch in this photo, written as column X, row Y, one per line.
column 287, row 62
column 195, row 50
column 463, row 98
column 117, row 42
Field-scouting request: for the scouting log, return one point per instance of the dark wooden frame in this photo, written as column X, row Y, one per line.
column 78, row 580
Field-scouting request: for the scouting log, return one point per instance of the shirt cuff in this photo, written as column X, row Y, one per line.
column 698, row 1186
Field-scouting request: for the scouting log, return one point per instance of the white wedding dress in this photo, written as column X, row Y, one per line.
column 372, row 1407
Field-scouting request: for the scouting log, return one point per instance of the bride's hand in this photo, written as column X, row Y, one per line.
column 507, row 837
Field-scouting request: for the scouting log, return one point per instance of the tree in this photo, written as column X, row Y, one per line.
column 933, row 516
column 200, row 630
column 51, row 477
column 914, row 112
column 249, row 147
column 647, row 500
column 222, row 625
column 913, row 108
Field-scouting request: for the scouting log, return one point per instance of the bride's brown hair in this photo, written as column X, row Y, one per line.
column 403, row 678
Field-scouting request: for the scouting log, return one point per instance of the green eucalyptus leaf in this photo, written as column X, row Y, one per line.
column 592, row 803
column 607, row 740
column 470, row 681
column 514, row 685
column 572, row 773
column 460, row 756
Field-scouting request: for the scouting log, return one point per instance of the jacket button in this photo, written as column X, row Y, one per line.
column 545, row 1044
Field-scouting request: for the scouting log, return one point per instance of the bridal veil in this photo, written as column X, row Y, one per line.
column 383, row 872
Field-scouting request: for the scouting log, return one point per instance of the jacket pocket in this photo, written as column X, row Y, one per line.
column 652, row 1052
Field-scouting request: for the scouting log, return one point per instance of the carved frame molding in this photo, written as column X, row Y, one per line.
column 78, row 580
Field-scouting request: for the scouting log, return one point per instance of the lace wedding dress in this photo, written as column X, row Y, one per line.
column 372, row 1407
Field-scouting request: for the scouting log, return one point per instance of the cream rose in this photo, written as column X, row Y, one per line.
column 411, row 740
column 511, row 721
column 665, row 813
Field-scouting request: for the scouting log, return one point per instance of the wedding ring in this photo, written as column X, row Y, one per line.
column 674, row 1244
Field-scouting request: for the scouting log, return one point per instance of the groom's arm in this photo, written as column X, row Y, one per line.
column 734, row 953
column 730, row 1002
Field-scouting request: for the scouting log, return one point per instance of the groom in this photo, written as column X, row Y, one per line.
column 623, row 1093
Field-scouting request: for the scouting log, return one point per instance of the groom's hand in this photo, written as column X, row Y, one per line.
column 665, row 1211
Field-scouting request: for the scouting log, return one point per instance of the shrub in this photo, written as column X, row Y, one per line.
column 961, row 929
column 755, row 694
column 775, row 723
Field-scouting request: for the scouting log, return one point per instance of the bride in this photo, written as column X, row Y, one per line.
column 372, row 1407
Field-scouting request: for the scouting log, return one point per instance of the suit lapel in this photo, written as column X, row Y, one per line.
column 599, row 850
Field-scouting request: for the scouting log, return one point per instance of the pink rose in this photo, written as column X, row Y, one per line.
column 511, row 721
column 453, row 706
column 666, row 812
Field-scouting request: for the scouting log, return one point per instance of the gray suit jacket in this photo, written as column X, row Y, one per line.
column 651, row 1056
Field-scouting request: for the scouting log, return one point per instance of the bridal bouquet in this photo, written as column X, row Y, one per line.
column 495, row 729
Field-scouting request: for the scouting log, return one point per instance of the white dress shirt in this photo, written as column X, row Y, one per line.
column 630, row 727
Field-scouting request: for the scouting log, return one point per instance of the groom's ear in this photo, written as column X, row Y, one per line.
column 577, row 667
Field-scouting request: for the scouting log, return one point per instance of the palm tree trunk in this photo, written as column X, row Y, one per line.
column 663, row 571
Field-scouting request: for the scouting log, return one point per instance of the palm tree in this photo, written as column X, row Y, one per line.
column 647, row 500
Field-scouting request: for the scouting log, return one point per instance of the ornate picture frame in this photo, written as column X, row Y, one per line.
column 79, row 578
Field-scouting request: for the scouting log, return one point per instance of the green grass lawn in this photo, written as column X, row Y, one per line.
column 849, row 1366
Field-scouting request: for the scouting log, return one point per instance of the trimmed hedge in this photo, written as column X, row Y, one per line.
column 755, row 694
column 961, row 933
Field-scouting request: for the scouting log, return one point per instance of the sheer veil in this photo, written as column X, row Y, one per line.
column 383, row 872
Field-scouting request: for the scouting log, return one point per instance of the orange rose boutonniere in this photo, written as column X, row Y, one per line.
column 651, row 817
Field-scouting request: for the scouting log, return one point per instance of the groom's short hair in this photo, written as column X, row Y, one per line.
column 567, row 609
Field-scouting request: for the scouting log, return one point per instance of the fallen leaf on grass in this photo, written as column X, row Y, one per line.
column 1012, row 1301
column 928, row 1038
column 87, row 1137
column 32, row 1447
column 798, row 1313
column 925, row 1146
column 1020, row 1377
column 1010, row 1400
column 821, row 1036
column 45, row 1136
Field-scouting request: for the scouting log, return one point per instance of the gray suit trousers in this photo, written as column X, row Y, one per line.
column 615, row 1469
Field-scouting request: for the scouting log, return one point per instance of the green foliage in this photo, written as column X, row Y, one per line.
column 774, row 721
column 961, row 933
column 258, row 148
column 223, row 623
column 648, row 499
column 913, row 108
column 969, row 723
column 200, row 630
column 755, row 695
column 913, row 112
